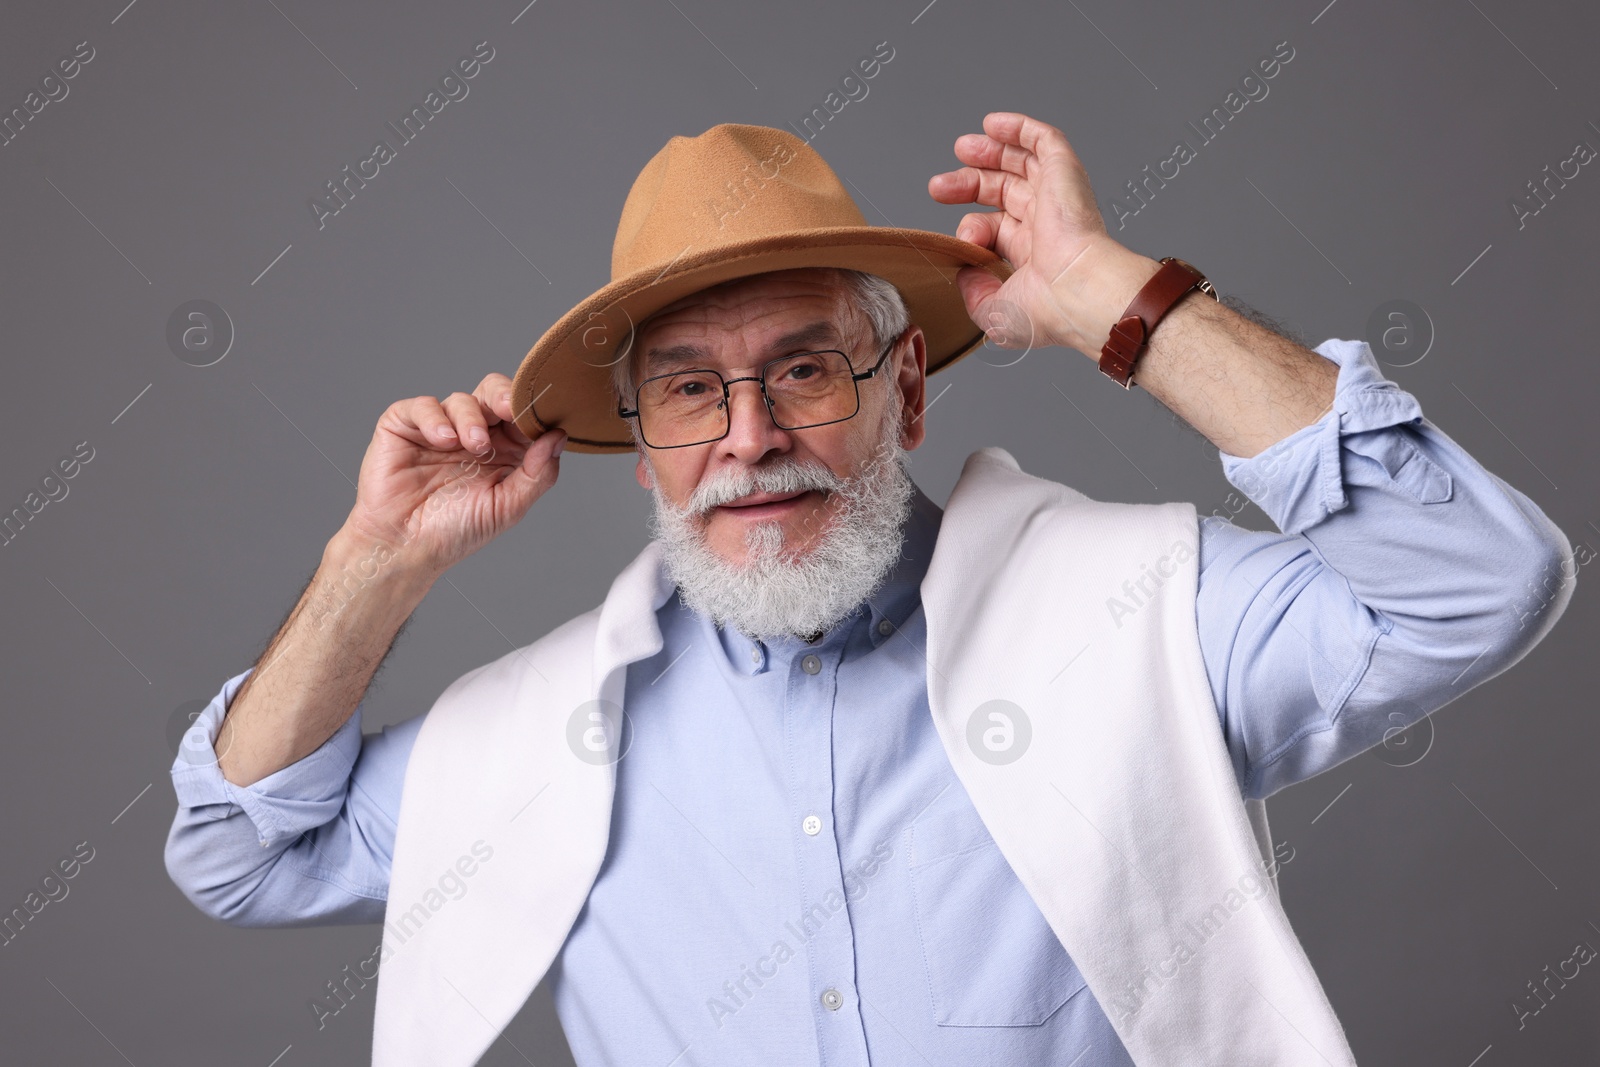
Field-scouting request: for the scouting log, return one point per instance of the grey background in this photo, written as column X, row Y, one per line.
column 181, row 164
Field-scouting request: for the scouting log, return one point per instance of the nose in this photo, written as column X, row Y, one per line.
column 752, row 432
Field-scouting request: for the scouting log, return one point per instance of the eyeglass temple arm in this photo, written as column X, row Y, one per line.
column 869, row 373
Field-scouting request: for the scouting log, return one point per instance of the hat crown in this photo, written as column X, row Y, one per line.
column 730, row 184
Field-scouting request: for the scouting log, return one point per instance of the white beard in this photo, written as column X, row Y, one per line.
column 777, row 591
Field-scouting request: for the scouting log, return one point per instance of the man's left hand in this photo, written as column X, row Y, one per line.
column 1072, row 280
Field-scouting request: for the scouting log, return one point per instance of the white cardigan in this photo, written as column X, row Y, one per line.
column 1123, row 819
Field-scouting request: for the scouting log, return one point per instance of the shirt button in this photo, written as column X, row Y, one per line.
column 811, row 665
column 755, row 655
column 885, row 627
column 812, row 825
column 832, row 1000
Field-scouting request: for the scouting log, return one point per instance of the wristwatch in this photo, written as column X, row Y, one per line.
column 1132, row 332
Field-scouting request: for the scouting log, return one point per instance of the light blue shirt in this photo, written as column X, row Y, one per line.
column 796, row 876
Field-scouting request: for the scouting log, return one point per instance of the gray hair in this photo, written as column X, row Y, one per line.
column 874, row 297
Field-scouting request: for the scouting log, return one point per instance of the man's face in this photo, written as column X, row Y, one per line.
column 736, row 328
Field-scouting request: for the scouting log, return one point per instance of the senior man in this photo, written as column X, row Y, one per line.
column 883, row 782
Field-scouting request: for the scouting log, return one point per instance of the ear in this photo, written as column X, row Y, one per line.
column 912, row 380
column 641, row 472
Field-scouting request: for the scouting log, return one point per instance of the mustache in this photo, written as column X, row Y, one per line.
column 786, row 478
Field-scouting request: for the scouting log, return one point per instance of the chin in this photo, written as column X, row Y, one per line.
column 741, row 554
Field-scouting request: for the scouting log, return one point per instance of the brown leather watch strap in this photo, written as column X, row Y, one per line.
column 1158, row 296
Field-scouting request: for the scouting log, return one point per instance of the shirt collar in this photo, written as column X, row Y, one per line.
column 882, row 613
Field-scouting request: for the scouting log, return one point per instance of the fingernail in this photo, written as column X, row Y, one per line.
column 447, row 431
column 505, row 398
column 560, row 444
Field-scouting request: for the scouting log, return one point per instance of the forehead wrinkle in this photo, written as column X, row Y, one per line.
column 812, row 333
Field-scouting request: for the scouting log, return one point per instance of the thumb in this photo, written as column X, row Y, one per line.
column 978, row 287
column 1004, row 324
column 538, row 471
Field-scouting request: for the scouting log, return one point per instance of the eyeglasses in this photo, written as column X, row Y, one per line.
column 801, row 390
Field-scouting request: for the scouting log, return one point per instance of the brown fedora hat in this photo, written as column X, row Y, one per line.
column 734, row 201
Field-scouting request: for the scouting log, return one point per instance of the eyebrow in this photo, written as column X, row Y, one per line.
column 660, row 360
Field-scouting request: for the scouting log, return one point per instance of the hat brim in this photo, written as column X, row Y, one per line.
column 565, row 379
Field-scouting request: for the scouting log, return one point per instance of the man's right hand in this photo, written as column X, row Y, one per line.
column 441, row 479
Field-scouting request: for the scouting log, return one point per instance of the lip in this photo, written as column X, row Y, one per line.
column 766, row 504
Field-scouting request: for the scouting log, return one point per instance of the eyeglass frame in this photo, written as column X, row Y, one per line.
column 761, row 383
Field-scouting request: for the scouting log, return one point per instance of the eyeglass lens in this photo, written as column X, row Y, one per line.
column 805, row 389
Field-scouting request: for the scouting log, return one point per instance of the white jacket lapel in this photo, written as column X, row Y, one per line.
column 1122, row 818
column 495, row 765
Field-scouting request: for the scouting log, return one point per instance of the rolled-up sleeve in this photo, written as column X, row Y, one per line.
column 1404, row 574
column 309, row 844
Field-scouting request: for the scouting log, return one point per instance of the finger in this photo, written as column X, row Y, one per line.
column 1040, row 138
column 1004, row 324
column 538, row 471
column 513, row 433
column 508, row 418
column 422, row 421
column 978, row 287
column 998, row 232
column 506, row 437
column 1008, row 237
column 981, row 150
column 980, row 228
column 993, row 188
column 470, row 418
column 494, row 392
column 953, row 187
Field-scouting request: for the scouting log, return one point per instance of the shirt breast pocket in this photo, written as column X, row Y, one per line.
column 991, row 958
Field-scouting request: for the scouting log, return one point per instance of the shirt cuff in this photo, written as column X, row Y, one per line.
column 304, row 795
column 1298, row 482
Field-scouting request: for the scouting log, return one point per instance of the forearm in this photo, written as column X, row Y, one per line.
column 312, row 843
column 1405, row 574
column 318, row 666
column 1241, row 385
column 314, row 848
